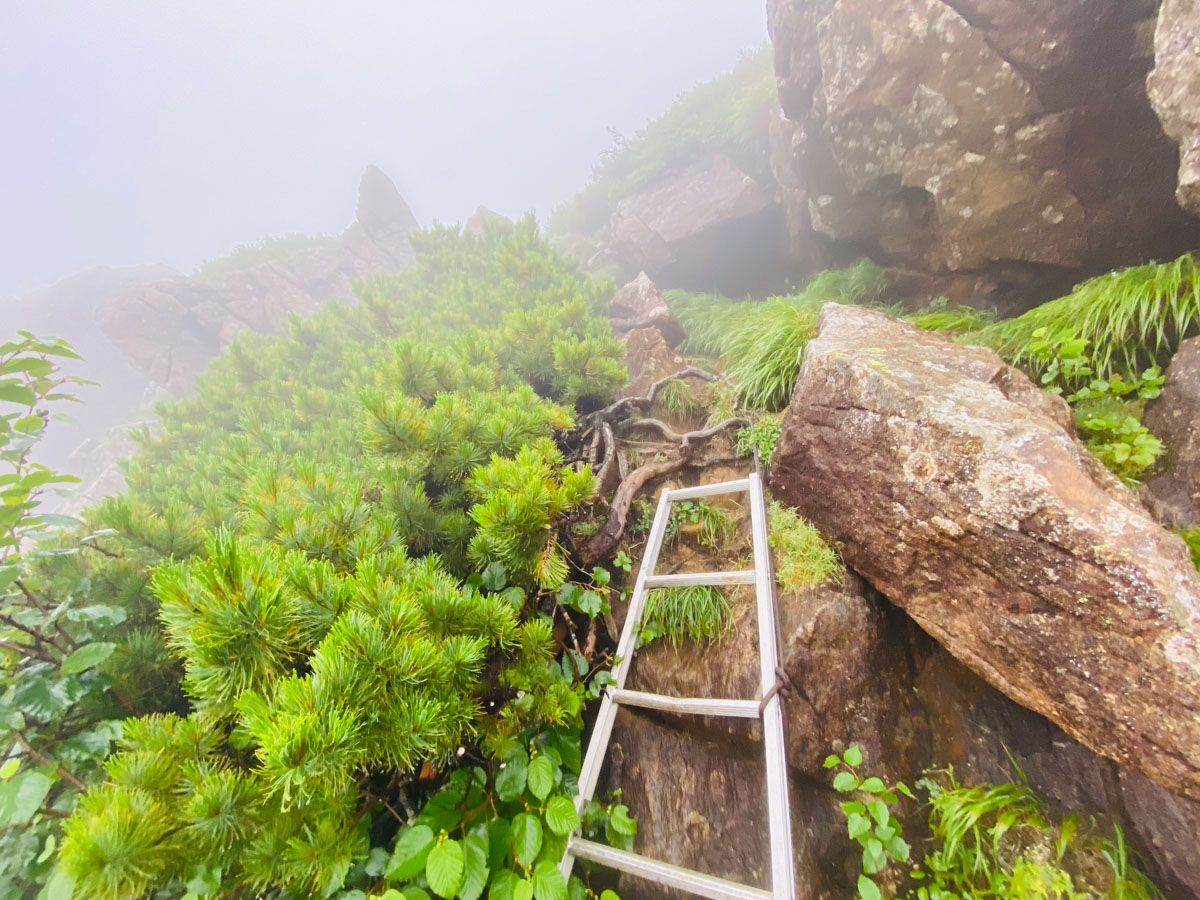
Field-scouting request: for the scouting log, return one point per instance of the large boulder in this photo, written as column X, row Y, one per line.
column 1174, row 88
column 973, row 136
column 710, row 226
column 1174, row 494
column 169, row 329
column 959, row 490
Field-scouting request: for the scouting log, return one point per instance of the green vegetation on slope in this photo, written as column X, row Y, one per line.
column 350, row 537
column 1131, row 318
column 277, row 250
column 759, row 341
column 727, row 114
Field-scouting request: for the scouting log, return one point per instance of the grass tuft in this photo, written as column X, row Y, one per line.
column 1131, row 318
column 951, row 319
column 803, row 559
column 760, row 341
column 698, row 612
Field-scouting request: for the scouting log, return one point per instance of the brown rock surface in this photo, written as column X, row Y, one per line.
column 1174, row 88
column 170, row 329
column 955, row 487
column 640, row 304
column 991, row 136
column 1174, row 494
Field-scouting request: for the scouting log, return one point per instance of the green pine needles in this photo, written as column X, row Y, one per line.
column 350, row 535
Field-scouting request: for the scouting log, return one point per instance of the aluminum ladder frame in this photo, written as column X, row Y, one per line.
column 783, row 885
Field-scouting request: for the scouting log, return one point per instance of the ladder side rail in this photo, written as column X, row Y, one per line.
column 589, row 772
column 783, row 881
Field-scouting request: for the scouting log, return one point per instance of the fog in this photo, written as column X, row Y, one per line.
column 138, row 131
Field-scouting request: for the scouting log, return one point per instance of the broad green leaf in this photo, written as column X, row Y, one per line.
column 495, row 576
column 844, row 782
column 502, row 885
column 87, row 656
column 9, row 769
column 622, row 823
column 60, row 521
column 510, row 780
column 15, row 392
column 412, row 849
column 523, row 889
column 445, row 868
column 377, row 861
column 498, row 842
column 548, row 883
column 22, row 796
column 854, row 756
column 45, row 699
column 576, row 889
column 475, row 867
column 392, row 894
column 872, row 785
column 897, row 848
column 857, row 826
column 609, row 895
column 541, row 777
column 561, row 815
column 879, row 811
column 415, row 892
column 98, row 613
column 831, row 760
column 853, row 806
column 61, row 886
column 867, row 889
column 47, row 849
column 526, row 836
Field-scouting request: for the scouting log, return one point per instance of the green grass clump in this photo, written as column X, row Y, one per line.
column 698, row 612
column 802, row 557
column 728, row 114
column 951, row 319
column 1131, row 318
column 760, row 341
column 1191, row 537
column 998, row 841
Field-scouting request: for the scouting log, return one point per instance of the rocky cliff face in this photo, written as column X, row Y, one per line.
column 993, row 151
column 170, row 329
column 999, row 148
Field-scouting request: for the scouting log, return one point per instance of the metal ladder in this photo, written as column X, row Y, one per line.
column 771, row 712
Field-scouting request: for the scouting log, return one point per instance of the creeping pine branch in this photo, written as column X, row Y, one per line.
column 627, row 405
column 604, row 543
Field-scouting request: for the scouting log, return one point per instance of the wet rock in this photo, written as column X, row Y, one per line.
column 1174, row 494
column 1174, row 87
column 958, row 490
column 640, row 304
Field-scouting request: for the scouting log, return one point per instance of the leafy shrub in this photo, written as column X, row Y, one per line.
column 728, row 114
column 802, row 557
column 985, row 841
column 276, row 250
column 760, row 436
column 1113, row 425
column 760, row 341
column 1131, row 318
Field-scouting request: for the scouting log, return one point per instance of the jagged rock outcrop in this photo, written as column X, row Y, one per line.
column 968, row 138
column 960, row 491
column 169, row 330
column 1174, row 494
column 651, row 333
column 1174, row 88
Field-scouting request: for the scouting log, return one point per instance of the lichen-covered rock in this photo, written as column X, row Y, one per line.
column 170, row 329
column 1174, row 88
column 959, row 491
column 997, row 136
column 1174, row 494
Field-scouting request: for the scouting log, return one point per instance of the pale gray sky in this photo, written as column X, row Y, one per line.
column 146, row 131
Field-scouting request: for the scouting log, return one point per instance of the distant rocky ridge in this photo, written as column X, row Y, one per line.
column 170, row 329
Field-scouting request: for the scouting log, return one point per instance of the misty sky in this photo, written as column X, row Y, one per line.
column 140, row 131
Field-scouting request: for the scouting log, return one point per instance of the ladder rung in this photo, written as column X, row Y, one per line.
column 709, row 490
column 706, row 706
column 664, row 873
column 684, row 579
